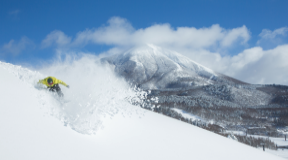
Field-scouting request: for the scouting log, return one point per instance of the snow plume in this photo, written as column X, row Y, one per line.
column 95, row 93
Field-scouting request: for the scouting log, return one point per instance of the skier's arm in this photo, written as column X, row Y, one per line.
column 42, row 81
column 63, row 83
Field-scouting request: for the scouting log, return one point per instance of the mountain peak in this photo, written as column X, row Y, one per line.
column 152, row 67
column 151, row 49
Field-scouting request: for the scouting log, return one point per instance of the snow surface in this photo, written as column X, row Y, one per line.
column 33, row 121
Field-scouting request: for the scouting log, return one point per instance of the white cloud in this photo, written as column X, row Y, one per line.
column 262, row 66
column 270, row 39
column 120, row 32
column 253, row 65
column 164, row 35
column 116, row 33
column 235, row 34
column 245, row 58
column 16, row 47
column 268, row 34
column 57, row 38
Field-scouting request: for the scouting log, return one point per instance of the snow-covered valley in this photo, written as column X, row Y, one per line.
column 96, row 121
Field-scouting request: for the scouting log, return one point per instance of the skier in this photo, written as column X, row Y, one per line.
column 53, row 84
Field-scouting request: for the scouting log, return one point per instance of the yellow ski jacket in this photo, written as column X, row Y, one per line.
column 55, row 81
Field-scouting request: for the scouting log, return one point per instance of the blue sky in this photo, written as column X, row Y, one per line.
column 33, row 30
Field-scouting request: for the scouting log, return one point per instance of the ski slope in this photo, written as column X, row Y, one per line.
column 95, row 121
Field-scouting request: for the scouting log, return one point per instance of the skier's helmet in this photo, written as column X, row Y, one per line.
column 50, row 81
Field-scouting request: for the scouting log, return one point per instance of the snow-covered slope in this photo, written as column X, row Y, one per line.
column 153, row 67
column 95, row 92
column 31, row 127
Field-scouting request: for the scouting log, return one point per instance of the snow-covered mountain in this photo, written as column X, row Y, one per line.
column 153, row 67
column 178, row 83
column 34, row 122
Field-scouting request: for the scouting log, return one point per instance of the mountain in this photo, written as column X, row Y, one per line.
column 152, row 67
column 179, row 87
column 34, row 124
